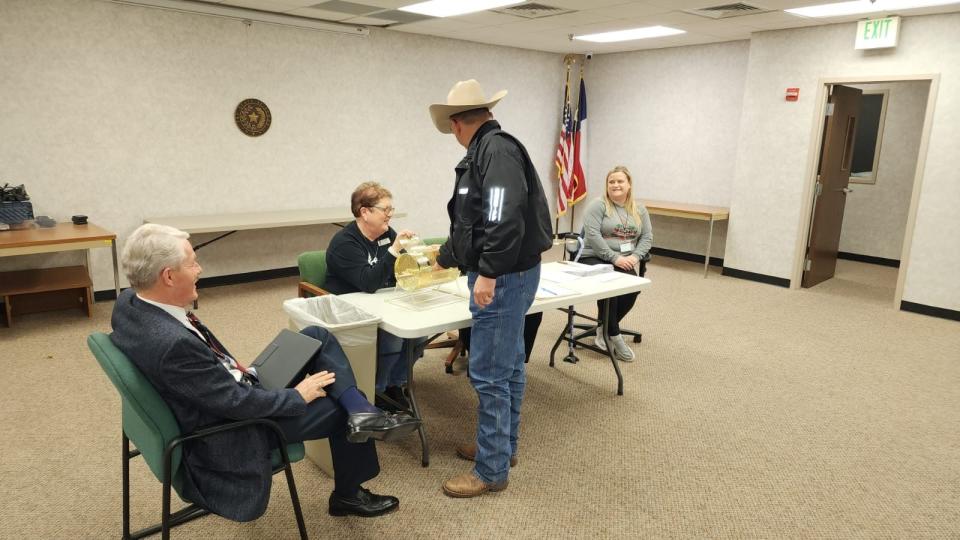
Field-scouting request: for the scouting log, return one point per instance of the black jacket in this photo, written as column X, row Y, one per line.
column 356, row 264
column 499, row 218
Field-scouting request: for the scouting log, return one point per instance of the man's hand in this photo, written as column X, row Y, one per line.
column 483, row 290
column 311, row 387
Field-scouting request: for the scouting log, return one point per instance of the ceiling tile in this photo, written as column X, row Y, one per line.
column 369, row 21
column 721, row 27
column 389, row 4
column 488, row 18
column 773, row 19
column 319, row 14
column 552, row 33
column 353, row 8
column 785, row 4
column 596, row 28
column 440, row 26
column 693, row 4
column 279, row 6
column 269, row 5
column 401, row 17
column 583, row 4
column 557, row 21
column 635, row 9
column 675, row 19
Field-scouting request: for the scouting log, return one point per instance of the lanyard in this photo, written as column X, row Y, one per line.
column 622, row 222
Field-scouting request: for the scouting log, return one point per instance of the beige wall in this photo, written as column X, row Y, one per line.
column 673, row 117
column 772, row 154
column 123, row 112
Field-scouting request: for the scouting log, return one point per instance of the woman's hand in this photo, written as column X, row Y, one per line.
column 626, row 263
column 402, row 235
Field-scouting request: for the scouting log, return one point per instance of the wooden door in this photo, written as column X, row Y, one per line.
column 836, row 155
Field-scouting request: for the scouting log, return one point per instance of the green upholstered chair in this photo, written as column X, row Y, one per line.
column 313, row 273
column 149, row 423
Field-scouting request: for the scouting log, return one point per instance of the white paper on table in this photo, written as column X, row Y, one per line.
column 424, row 299
column 557, row 277
column 455, row 287
column 580, row 269
column 553, row 291
column 603, row 278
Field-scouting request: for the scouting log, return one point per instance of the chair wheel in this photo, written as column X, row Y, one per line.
column 638, row 338
column 571, row 358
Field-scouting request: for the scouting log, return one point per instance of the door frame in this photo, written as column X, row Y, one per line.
column 813, row 158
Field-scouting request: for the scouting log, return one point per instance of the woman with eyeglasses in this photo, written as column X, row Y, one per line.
column 360, row 258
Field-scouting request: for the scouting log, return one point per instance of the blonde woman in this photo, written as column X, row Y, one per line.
column 617, row 231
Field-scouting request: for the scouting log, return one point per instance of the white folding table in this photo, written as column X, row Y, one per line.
column 431, row 323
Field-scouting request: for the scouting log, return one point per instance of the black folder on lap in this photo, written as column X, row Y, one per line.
column 285, row 359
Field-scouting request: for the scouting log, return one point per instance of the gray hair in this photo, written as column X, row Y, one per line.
column 149, row 250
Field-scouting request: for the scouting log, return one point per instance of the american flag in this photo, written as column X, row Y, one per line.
column 572, row 185
column 564, row 160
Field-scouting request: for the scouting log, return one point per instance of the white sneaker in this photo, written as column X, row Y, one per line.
column 620, row 348
column 598, row 341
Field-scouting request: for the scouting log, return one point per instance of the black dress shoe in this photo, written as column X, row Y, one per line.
column 364, row 504
column 380, row 425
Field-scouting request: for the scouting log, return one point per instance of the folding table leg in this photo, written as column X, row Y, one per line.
column 412, row 354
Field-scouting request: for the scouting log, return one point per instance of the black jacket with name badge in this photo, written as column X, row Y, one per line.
column 499, row 218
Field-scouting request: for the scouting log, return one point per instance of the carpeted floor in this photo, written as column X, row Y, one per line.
column 752, row 412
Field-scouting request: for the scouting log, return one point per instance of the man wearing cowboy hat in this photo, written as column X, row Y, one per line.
column 499, row 226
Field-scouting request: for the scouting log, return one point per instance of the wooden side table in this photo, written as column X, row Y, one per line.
column 45, row 289
column 30, row 291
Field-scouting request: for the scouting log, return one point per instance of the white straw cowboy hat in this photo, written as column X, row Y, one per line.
column 464, row 96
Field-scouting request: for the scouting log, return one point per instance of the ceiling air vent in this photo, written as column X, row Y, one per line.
column 533, row 11
column 727, row 10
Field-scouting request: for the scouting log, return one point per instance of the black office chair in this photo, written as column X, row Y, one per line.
column 576, row 335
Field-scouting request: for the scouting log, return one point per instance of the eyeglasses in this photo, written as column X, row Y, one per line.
column 388, row 210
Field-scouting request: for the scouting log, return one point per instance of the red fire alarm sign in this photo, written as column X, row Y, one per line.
column 793, row 94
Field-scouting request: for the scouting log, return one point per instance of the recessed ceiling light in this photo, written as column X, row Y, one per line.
column 631, row 34
column 856, row 7
column 450, row 8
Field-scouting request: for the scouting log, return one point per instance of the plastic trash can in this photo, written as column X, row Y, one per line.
column 356, row 331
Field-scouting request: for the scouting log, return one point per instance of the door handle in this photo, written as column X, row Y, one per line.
column 845, row 190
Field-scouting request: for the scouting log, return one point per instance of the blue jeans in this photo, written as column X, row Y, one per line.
column 497, row 369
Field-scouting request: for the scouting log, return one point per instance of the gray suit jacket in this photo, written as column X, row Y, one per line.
column 228, row 473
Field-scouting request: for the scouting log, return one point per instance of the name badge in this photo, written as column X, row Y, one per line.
column 463, row 190
column 626, row 247
column 383, row 242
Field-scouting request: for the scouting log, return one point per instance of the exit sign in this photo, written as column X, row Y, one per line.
column 878, row 33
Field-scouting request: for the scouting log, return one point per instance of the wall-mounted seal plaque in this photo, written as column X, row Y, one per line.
column 252, row 117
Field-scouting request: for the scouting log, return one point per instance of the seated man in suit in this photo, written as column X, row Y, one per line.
column 230, row 473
